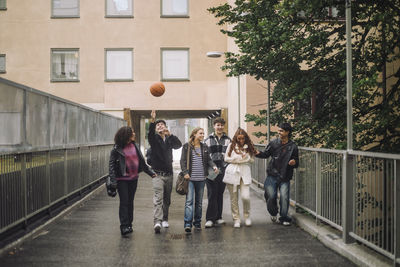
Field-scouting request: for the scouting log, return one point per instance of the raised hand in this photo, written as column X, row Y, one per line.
column 153, row 115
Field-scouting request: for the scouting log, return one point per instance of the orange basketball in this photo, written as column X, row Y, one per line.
column 157, row 89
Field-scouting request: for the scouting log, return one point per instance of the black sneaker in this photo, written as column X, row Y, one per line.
column 197, row 227
column 125, row 230
column 157, row 228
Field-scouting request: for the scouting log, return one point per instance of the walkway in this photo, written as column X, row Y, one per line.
column 89, row 236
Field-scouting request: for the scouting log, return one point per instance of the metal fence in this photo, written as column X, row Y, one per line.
column 31, row 182
column 355, row 192
column 50, row 150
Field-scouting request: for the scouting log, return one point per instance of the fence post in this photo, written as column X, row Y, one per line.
column 48, row 181
column 318, row 186
column 24, row 187
column 348, row 196
column 66, row 174
column 396, row 213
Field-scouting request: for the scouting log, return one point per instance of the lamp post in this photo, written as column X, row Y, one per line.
column 348, row 159
column 216, row 54
column 349, row 78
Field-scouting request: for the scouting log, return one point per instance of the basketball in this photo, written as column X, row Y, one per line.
column 157, row 89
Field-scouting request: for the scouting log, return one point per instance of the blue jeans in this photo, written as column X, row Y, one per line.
column 194, row 196
column 271, row 186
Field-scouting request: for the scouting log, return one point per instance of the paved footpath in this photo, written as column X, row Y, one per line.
column 89, row 236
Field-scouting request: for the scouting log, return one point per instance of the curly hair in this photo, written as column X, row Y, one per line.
column 250, row 147
column 219, row 120
column 123, row 136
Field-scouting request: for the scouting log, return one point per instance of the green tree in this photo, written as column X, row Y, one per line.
column 299, row 45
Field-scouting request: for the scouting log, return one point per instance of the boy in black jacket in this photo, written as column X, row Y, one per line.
column 285, row 157
column 162, row 142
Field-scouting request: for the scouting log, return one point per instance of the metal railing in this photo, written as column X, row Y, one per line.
column 32, row 182
column 355, row 192
column 51, row 149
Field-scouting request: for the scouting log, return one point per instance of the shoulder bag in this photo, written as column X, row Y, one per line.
column 181, row 185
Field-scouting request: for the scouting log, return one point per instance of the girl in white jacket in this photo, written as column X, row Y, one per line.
column 240, row 153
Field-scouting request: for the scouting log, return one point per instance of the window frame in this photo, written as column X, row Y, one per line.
column 5, row 63
column 105, row 65
column 118, row 16
column 188, row 64
column 174, row 16
column 65, row 16
column 52, row 79
column 5, row 5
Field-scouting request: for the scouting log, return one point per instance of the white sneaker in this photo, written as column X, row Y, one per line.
column 274, row 218
column 157, row 228
column 209, row 224
column 165, row 224
column 236, row 224
column 220, row 221
column 248, row 222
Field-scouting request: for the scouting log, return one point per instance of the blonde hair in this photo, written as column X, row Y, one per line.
column 192, row 135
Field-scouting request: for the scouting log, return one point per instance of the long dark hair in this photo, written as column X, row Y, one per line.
column 123, row 136
column 250, row 147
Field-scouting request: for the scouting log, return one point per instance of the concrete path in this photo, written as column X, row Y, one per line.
column 89, row 236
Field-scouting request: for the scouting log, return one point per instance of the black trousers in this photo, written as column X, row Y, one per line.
column 215, row 195
column 126, row 193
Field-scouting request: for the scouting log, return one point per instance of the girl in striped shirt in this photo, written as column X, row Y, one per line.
column 199, row 160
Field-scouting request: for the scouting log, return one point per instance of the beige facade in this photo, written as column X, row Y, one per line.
column 29, row 33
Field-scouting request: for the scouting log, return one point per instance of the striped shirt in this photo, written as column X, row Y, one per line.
column 197, row 166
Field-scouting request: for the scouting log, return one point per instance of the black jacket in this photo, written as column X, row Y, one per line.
column 117, row 165
column 275, row 150
column 161, row 152
column 205, row 155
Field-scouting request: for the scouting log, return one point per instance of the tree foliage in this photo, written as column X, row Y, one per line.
column 300, row 46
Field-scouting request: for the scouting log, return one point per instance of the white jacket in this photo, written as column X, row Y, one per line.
column 239, row 167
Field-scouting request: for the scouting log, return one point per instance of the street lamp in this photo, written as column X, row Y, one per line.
column 216, row 54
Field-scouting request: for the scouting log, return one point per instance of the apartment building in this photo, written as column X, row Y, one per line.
column 105, row 54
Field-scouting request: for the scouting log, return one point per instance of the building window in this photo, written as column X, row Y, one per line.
column 2, row 63
column 332, row 12
column 65, row 65
column 175, row 8
column 175, row 64
column 119, row 8
column 65, row 8
column 3, row 5
column 119, row 64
